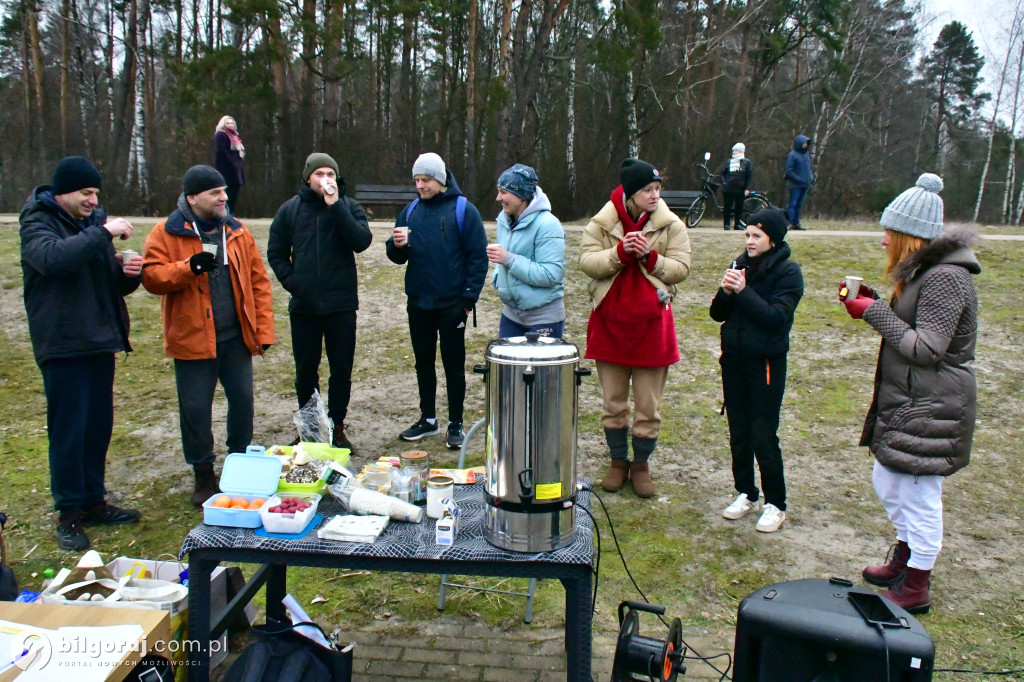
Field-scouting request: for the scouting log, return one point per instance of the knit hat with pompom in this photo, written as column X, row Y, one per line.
column 918, row 211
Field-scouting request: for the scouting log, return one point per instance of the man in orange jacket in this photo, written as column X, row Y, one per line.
column 217, row 313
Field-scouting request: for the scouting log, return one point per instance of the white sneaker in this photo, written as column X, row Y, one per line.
column 739, row 508
column 771, row 519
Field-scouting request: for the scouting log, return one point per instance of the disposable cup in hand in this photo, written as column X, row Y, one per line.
column 405, row 232
column 326, row 186
column 853, row 285
column 128, row 255
column 210, row 248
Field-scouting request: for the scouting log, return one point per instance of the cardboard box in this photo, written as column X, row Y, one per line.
column 448, row 524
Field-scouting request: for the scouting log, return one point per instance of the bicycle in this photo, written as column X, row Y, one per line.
column 754, row 201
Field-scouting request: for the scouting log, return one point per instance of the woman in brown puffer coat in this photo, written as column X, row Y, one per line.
column 921, row 420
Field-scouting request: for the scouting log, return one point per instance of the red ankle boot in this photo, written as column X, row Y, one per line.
column 911, row 591
column 889, row 573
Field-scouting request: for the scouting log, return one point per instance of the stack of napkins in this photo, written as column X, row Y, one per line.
column 352, row 528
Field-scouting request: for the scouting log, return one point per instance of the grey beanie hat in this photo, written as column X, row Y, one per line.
column 431, row 165
column 918, row 211
column 318, row 160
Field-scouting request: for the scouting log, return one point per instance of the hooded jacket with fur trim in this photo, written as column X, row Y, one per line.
column 922, row 414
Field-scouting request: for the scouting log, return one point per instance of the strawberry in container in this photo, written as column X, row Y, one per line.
column 288, row 512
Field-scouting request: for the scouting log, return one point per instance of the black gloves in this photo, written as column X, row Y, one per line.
column 202, row 262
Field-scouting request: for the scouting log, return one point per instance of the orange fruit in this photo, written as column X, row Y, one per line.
column 223, row 502
column 240, row 500
column 240, row 506
column 257, row 503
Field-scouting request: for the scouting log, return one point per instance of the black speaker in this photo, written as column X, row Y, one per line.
column 828, row 631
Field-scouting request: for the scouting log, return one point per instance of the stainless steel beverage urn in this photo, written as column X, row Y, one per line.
column 530, row 487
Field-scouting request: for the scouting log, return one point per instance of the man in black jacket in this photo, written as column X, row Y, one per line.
column 74, row 288
column 313, row 241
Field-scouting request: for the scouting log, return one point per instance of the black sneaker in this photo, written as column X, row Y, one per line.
column 71, row 536
column 420, row 429
column 455, row 435
column 108, row 515
column 797, row 227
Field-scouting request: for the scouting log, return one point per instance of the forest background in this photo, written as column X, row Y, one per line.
column 570, row 87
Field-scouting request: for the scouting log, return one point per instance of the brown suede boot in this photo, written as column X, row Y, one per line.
column 616, row 476
column 896, row 563
column 206, row 484
column 640, row 476
column 911, row 591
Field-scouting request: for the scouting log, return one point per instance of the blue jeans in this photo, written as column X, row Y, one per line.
column 796, row 202
column 508, row 328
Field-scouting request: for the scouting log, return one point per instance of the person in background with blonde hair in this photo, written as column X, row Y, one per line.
column 921, row 421
column 230, row 158
column 635, row 250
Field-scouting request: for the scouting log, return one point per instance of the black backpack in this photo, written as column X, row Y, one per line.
column 281, row 655
column 8, row 583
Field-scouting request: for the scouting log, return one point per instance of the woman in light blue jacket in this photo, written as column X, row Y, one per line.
column 529, row 258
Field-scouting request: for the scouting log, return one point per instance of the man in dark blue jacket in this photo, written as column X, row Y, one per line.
column 800, row 178
column 441, row 237
column 313, row 241
column 74, row 287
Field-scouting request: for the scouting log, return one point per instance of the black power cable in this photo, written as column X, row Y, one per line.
column 697, row 655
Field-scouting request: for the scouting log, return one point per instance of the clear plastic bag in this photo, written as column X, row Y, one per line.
column 312, row 421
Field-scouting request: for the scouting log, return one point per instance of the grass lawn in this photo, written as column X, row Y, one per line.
column 682, row 553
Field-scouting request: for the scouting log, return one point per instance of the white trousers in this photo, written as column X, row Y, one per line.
column 914, row 505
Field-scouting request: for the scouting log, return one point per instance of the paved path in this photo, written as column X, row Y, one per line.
column 453, row 648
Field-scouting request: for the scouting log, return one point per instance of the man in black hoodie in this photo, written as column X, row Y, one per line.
column 313, row 241
column 74, row 287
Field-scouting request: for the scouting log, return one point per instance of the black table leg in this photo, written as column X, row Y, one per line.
column 277, row 588
column 578, row 625
column 199, row 572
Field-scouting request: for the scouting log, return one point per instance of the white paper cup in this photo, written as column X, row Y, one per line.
column 404, row 229
column 210, row 248
column 853, row 284
column 128, row 255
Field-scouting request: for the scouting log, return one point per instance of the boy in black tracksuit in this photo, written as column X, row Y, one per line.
column 447, row 264
column 736, row 175
column 313, row 241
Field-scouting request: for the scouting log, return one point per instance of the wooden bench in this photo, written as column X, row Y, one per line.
column 385, row 195
column 680, row 200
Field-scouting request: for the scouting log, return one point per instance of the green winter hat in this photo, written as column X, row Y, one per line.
column 318, row 160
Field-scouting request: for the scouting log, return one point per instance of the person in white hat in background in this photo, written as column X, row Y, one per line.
column 921, row 421
column 736, row 175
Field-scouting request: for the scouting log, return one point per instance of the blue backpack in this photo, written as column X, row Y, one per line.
column 460, row 211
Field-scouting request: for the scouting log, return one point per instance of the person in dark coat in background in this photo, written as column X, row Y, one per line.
column 921, row 421
column 755, row 304
column 800, row 178
column 74, row 288
column 736, row 175
column 441, row 236
column 313, row 241
column 230, row 158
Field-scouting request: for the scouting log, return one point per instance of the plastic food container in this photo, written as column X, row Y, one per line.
column 276, row 522
column 316, row 451
column 249, row 475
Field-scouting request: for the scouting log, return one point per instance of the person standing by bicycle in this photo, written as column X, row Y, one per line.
column 736, row 175
column 800, row 178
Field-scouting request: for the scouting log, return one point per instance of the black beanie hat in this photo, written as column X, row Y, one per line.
column 772, row 221
column 74, row 173
column 198, row 179
column 635, row 175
